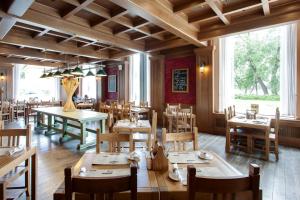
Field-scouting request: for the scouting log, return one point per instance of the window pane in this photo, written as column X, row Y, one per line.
column 30, row 85
column 89, row 86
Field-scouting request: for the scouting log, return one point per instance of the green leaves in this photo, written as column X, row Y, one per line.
column 257, row 61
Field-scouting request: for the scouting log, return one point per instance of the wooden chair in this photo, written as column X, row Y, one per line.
column 102, row 186
column 19, row 109
column 258, row 138
column 144, row 137
column 30, row 113
column 227, row 188
column 183, row 120
column 240, row 138
column 6, row 112
column 179, row 139
column 113, row 140
column 126, row 111
column 12, row 138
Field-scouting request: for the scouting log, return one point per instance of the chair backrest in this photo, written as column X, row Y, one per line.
column 95, row 185
column 226, row 187
column 11, row 137
column 113, row 140
column 172, row 108
column 184, row 119
column 179, row 139
column 154, row 124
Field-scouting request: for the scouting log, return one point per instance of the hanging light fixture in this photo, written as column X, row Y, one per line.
column 57, row 74
column 101, row 71
column 66, row 72
column 90, row 73
column 44, row 74
column 50, row 75
column 77, row 71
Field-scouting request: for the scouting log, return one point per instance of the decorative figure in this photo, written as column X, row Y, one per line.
column 70, row 85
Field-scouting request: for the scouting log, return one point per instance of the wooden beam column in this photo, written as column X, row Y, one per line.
column 157, row 85
column 204, row 89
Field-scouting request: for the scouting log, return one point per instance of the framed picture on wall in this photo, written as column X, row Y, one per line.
column 180, row 80
column 112, row 83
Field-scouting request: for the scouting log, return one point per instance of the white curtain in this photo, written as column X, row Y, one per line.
column 134, row 78
column 288, row 70
column 226, row 72
column 16, row 70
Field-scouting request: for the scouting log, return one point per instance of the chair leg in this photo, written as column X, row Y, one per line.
column 276, row 151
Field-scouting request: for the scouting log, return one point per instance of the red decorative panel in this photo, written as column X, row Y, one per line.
column 177, row 63
column 111, row 70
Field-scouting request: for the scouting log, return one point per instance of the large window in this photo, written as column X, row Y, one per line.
column 28, row 84
column 139, row 78
column 259, row 68
column 89, row 84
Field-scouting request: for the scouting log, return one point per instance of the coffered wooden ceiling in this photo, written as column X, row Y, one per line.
column 53, row 32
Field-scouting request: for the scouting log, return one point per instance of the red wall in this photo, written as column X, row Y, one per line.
column 175, row 63
column 111, row 70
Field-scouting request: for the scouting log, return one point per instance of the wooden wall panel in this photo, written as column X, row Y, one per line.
column 157, row 85
column 204, row 93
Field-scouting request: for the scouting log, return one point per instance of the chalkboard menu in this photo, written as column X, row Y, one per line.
column 180, row 80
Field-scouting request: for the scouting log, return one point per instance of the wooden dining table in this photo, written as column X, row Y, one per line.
column 170, row 116
column 262, row 124
column 10, row 163
column 156, row 185
column 80, row 116
column 141, row 126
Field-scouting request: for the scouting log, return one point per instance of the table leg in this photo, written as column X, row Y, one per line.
column 267, row 143
column 227, row 148
column 83, row 135
column 64, row 130
column 33, row 176
column 49, row 125
column 38, row 116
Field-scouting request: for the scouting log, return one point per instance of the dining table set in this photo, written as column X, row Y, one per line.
column 256, row 125
column 152, row 184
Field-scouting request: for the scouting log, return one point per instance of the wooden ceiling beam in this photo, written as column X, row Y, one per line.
column 23, row 40
column 16, row 8
column 122, row 54
column 10, row 60
column 88, row 44
column 157, row 46
column 266, row 7
column 39, row 19
column 158, row 15
column 79, row 7
column 280, row 14
column 218, row 9
column 40, row 34
column 31, row 53
column 67, row 39
column 183, row 7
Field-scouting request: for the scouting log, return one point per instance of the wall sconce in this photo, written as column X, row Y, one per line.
column 2, row 76
column 202, row 67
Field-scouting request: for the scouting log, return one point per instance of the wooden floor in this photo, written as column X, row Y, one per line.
column 279, row 180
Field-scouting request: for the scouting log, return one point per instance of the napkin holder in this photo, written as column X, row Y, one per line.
column 159, row 161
